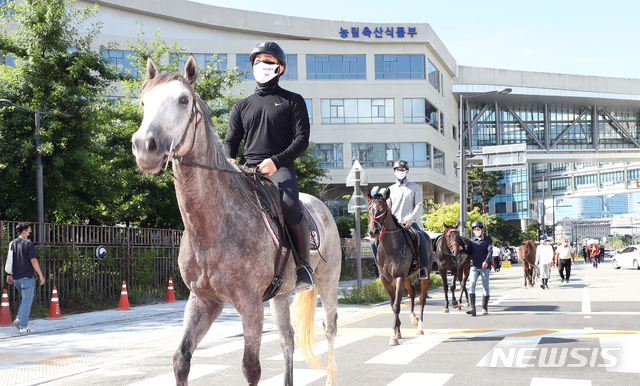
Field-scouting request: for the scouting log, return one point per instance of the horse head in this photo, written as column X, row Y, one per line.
column 378, row 212
column 452, row 238
column 169, row 104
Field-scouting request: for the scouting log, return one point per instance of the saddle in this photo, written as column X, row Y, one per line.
column 412, row 238
column 268, row 201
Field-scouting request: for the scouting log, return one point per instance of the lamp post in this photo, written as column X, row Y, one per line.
column 463, row 156
column 39, row 173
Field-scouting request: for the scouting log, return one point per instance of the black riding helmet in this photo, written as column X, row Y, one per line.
column 400, row 164
column 271, row 48
column 477, row 224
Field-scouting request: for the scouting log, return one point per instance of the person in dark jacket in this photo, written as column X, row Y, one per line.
column 274, row 124
column 480, row 250
column 25, row 266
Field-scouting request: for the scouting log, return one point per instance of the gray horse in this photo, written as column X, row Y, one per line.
column 227, row 254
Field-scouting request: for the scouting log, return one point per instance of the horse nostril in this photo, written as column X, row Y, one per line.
column 152, row 145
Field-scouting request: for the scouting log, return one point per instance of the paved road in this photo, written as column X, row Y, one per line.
column 582, row 333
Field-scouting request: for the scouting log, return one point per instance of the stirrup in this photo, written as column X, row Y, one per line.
column 423, row 274
column 304, row 280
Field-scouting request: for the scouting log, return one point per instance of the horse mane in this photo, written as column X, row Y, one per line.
column 378, row 197
column 237, row 179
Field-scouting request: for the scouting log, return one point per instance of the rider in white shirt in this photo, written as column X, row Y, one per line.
column 544, row 260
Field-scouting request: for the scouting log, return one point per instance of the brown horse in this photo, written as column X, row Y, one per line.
column 528, row 256
column 227, row 254
column 396, row 255
column 451, row 258
column 463, row 275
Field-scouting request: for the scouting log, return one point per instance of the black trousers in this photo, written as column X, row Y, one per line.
column 285, row 179
column 564, row 265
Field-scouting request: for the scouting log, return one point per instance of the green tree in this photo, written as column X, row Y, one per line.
column 55, row 71
column 441, row 214
column 504, row 233
column 483, row 184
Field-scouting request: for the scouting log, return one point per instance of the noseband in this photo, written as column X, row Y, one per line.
column 449, row 245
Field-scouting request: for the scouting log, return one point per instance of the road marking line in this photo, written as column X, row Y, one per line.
column 626, row 349
column 408, row 351
column 499, row 300
column 230, row 347
column 559, row 381
column 322, row 347
column 586, row 300
column 419, row 379
column 197, row 371
column 54, row 359
column 507, row 343
column 300, row 377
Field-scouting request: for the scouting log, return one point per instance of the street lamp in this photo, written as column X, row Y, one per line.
column 39, row 188
column 463, row 156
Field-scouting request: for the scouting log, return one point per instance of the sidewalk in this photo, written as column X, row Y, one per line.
column 160, row 312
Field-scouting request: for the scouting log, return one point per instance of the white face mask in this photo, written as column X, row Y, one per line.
column 400, row 174
column 564, row 243
column 264, row 72
column 477, row 233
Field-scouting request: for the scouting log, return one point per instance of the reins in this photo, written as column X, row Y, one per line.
column 383, row 227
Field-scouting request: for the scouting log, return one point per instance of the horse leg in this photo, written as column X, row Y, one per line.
column 198, row 317
column 327, row 287
column 454, row 302
column 524, row 268
column 282, row 318
column 424, row 287
column 445, row 284
column 251, row 310
column 409, row 287
column 396, row 311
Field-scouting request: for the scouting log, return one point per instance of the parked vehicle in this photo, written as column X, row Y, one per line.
column 510, row 254
column 629, row 257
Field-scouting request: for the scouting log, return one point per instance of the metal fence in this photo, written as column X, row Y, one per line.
column 145, row 258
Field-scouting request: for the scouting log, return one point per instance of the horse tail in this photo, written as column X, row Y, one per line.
column 302, row 318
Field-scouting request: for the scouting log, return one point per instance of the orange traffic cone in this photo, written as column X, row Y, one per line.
column 171, row 297
column 5, row 312
column 124, row 299
column 54, row 308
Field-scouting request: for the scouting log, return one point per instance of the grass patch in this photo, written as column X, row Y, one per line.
column 374, row 292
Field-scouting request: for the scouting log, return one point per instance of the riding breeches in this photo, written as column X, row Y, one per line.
column 285, row 179
column 424, row 248
column 473, row 276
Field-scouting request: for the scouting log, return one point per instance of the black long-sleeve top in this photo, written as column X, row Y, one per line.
column 274, row 125
column 481, row 250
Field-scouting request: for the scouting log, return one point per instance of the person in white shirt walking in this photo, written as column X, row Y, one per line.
column 545, row 259
column 564, row 256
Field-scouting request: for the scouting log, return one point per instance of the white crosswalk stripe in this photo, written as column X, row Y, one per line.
column 197, row 371
column 421, row 379
column 300, row 377
column 408, row 351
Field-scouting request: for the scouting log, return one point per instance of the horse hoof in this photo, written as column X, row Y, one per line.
column 446, row 310
column 420, row 332
column 466, row 304
column 457, row 307
column 414, row 320
column 393, row 341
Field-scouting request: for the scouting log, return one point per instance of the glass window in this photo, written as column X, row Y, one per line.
column 454, row 130
column 291, row 71
column 336, row 67
column 586, row 182
column 243, row 63
column 438, row 160
column 420, row 111
column 560, row 185
column 455, row 169
column 417, row 154
column 309, row 104
column 559, row 168
column 539, row 169
column 124, row 61
column 375, row 155
column 330, row 154
column 633, row 176
column 357, row 111
column 612, row 180
column 442, row 123
column 434, row 76
column 399, row 66
column 203, row 60
column 8, row 59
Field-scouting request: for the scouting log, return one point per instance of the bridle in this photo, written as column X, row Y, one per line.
column 449, row 245
column 381, row 226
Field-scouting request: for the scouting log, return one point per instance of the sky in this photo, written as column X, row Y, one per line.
column 580, row 37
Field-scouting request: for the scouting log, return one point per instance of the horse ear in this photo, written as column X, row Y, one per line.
column 445, row 225
column 387, row 194
column 152, row 69
column 457, row 224
column 191, row 70
column 367, row 195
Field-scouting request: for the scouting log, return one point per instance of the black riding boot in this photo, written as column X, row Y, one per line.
column 472, row 299
column 485, row 304
column 300, row 238
column 546, row 283
column 543, row 283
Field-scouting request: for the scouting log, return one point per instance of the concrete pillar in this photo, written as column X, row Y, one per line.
column 439, row 197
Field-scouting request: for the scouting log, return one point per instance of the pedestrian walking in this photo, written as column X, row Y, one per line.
column 25, row 266
column 564, row 257
column 480, row 249
column 594, row 255
column 544, row 260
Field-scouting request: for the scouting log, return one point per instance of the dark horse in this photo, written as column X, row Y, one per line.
column 227, row 254
column 451, row 257
column 528, row 255
column 397, row 252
